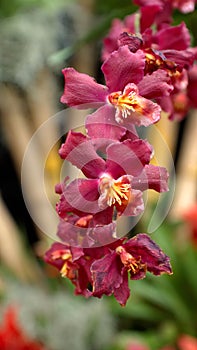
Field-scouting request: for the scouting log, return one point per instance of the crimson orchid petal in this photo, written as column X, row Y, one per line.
column 81, row 90
column 79, row 150
column 123, row 67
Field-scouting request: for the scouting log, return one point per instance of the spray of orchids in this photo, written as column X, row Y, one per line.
column 145, row 72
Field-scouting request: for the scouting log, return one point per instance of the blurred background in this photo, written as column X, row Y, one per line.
column 38, row 39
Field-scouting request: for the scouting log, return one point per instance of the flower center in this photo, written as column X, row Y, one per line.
column 67, row 269
column 113, row 191
column 63, row 254
column 127, row 101
column 156, row 60
column 131, row 264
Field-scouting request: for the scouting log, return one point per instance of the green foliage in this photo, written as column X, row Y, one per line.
column 10, row 8
column 103, row 6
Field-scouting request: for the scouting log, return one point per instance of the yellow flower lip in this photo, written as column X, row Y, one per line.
column 132, row 264
column 61, row 254
column 127, row 102
column 68, row 271
column 114, row 191
column 157, row 60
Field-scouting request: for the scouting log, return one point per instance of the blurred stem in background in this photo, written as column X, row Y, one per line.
column 13, row 252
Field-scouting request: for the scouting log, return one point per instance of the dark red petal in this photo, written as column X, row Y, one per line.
column 73, row 140
column 92, row 235
column 82, row 195
column 63, row 207
column 139, row 275
column 123, row 67
column 184, row 58
column 106, row 274
column 54, row 247
column 58, row 262
column 128, row 157
column 103, row 217
column 130, row 134
column 101, row 125
column 166, row 104
column 74, row 235
column 79, row 150
column 175, row 38
column 192, row 86
column 155, row 85
column 164, row 10
column 141, row 246
column 81, row 90
column 103, row 235
column 131, row 40
column 134, row 206
column 152, row 177
column 122, row 293
column 84, row 279
column 148, row 14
